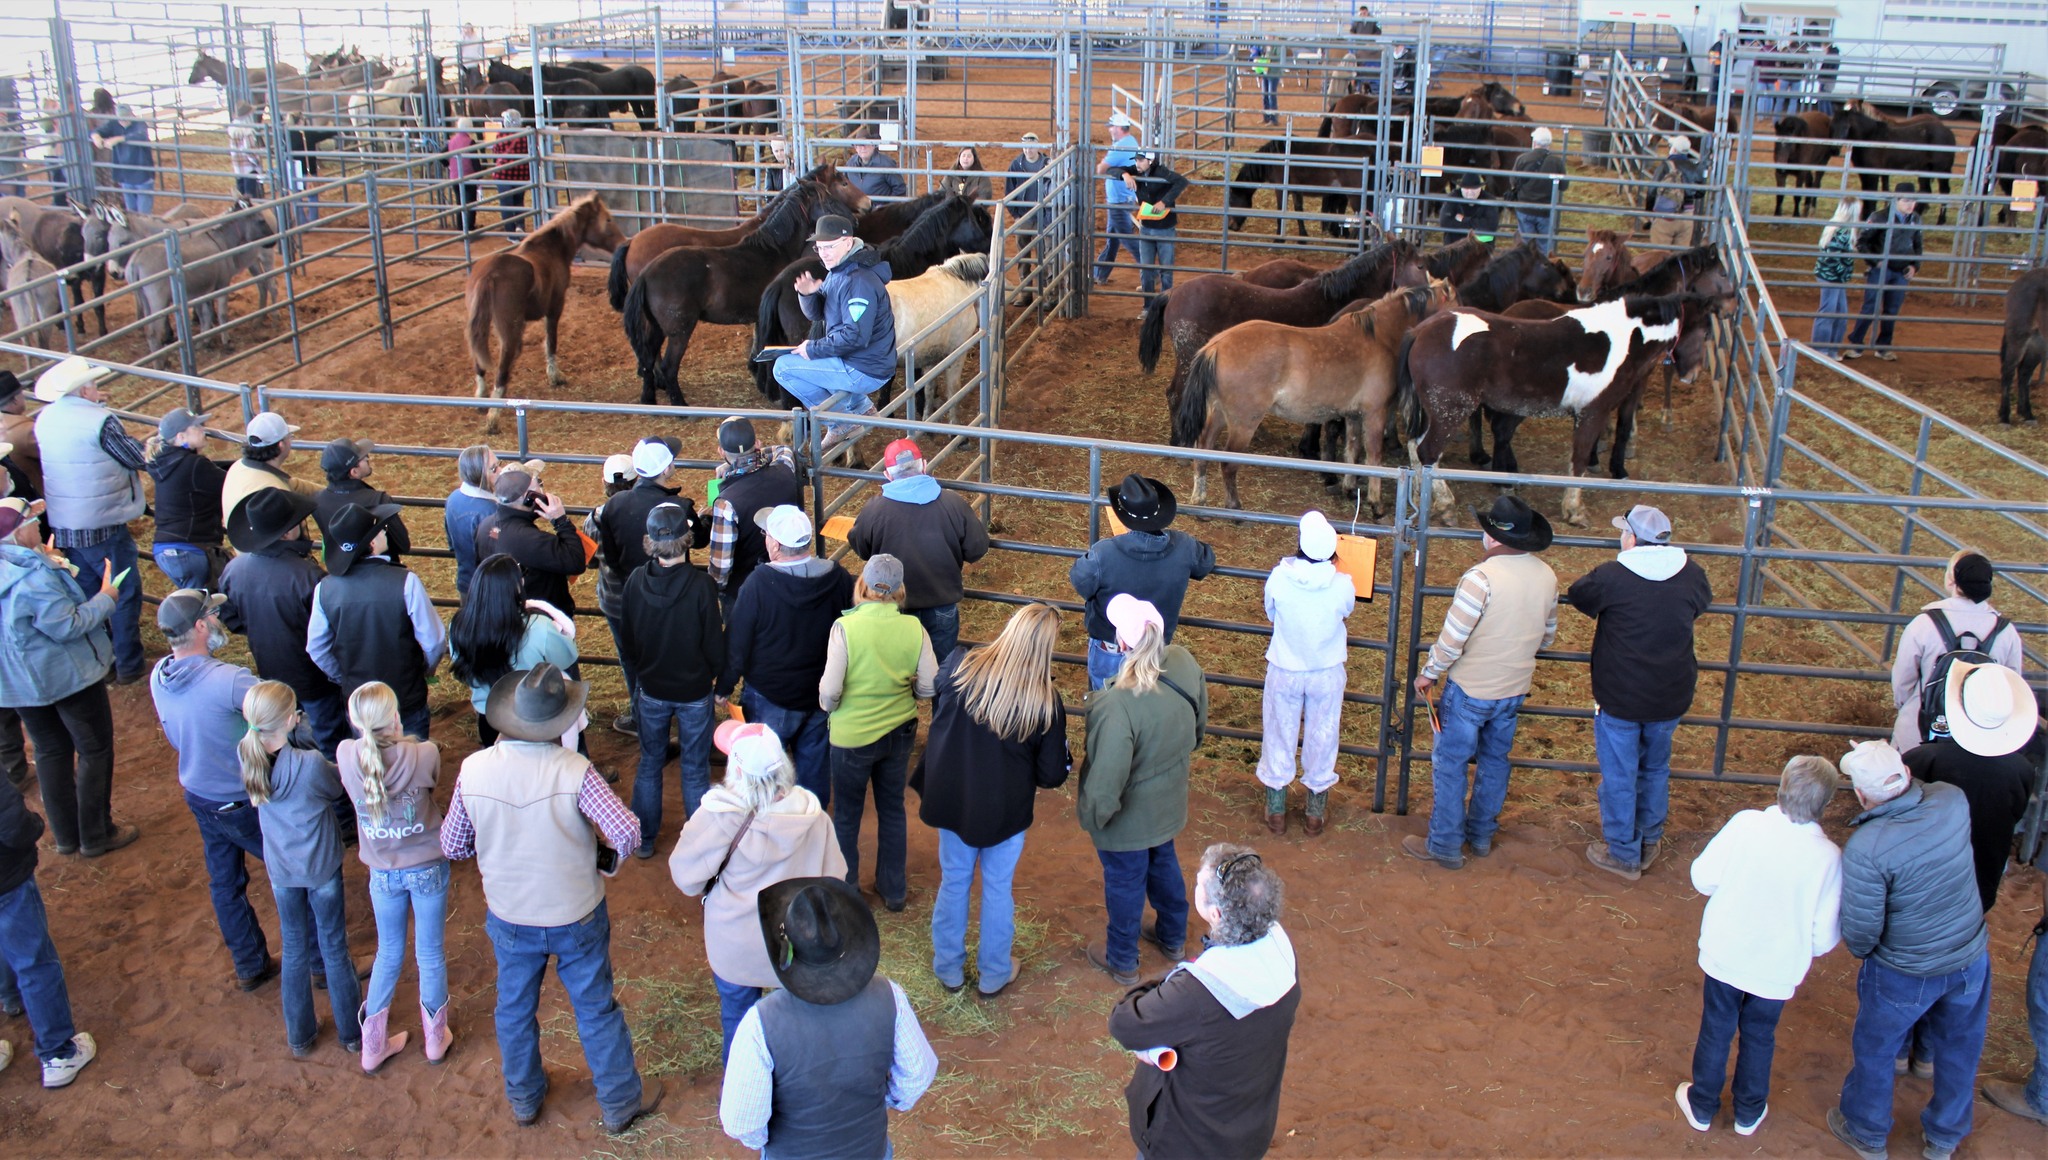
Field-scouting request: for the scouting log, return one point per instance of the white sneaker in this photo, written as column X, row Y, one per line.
column 1749, row 1129
column 1685, row 1107
column 60, row 1072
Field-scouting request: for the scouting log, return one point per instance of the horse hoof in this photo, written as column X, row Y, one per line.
column 1481, row 459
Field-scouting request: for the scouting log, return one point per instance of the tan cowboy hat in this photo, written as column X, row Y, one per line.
column 1990, row 710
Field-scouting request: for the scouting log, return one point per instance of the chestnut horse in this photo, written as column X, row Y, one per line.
column 2024, row 348
column 529, row 281
column 658, row 239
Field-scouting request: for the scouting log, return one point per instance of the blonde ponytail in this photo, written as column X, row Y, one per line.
column 373, row 710
column 269, row 710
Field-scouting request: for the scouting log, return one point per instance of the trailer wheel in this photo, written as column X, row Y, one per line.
column 1944, row 98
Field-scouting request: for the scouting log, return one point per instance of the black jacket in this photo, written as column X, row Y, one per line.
column 1684, row 169
column 548, row 559
column 19, row 829
column 1535, row 172
column 1152, row 566
column 976, row 784
column 1643, row 663
column 775, row 639
column 934, row 540
column 1161, row 186
column 673, row 644
column 331, row 499
column 622, row 525
column 187, row 504
column 1222, row 1101
column 1997, row 789
column 1459, row 218
column 1892, row 240
column 270, row 600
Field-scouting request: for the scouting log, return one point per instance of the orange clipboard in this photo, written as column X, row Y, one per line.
column 1358, row 558
column 732, row 709
column 1436, row 727
column 1116, row 526
column 838, row 528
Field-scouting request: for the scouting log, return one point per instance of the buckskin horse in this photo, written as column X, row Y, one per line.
column 529, row 281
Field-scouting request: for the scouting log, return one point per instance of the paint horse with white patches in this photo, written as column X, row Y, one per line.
column 1584, row 365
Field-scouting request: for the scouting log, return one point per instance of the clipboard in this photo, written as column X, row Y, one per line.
column 1357, row 557
column 838, row 528
column 1436, row 727
column 769, row 354
column 1116, row 526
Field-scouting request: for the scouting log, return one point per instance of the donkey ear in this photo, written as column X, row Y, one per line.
column 76, row 206
column 118, row 216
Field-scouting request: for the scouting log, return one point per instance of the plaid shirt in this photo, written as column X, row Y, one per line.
column 123, row 449
column 595, row 799
column 507, row 146
column 725, row 528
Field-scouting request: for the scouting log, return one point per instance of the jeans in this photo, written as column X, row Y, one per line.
column 465, row 197
column 618, row 628
column 1105, row 660
column 249, row 187
column 998, row 864
column 30, row 970
column 1725, row 1012
column 1121, row 230
column 74, row 741
column 734, row 1001
column 2037, row 1025
column 1155, row 257
column 186, row 567
column 582, row 951
column 511, row 205
column 1635, row 782
column 1952, row 1009
column 327, row 717
column 417, row 722
column 804, row 737
column 694, row 721
column 126, row 623
column 1304, row 708
column 1269, row 97
column 1129, row 879
column 814, row 380
column 1884, row 295
column 138, row 198
column 316, row 911
column 1534, row 226
column 421, row 891
column 229, row 830
column 1481, row 733
column 1832, row 321
column 942, row 625
column 885, row 762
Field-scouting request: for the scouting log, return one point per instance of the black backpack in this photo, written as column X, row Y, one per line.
column 1934, row 693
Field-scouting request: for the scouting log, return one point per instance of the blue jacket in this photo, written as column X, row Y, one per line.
column 860, row 327
column 864, row 177
column 55, row 640
column 1909, row 884
column 463, row 513
column 133, row 159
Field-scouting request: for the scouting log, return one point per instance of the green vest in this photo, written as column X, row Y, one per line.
column 882, row 649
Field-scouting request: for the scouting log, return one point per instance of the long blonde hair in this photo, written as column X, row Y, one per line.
column 270, row 709
column 1140, row 673
column 1847, row 211
column 1006, row 685
column 373, row 710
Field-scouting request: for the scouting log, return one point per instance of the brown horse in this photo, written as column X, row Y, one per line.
column 1307, row 375
column 1800, row 151
column 513, row 287
column 1280, row 273
column 658, row 239
column 1608, row 263
column 1878, row 142
column 2024, row 348
column 2018, row 153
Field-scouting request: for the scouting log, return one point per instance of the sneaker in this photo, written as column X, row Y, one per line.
column 1685, row 1109
column 1922, row 1069
column 644, row 852
column 952, row 988
column 651, row 1092
column 1650, row 852
column 1839, row 1125
column 1597, row 854
column 1852, row 352
column 1098, row 953
column 122, row 836
column 1174, row 951
column 1885, row 356
column 1749, row 1129
column 2012, row 1097
column 1929, row 1150
column 1416, row 846
column 60, row 1072
column 624, row 723
column 6, row 1054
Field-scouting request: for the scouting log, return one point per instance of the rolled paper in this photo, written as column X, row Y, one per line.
column 1163, row 1058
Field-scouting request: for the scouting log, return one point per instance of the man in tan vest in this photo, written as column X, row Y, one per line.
column 531, row 811
column 1504, row 611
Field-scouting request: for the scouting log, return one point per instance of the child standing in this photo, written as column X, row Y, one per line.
column 1307, row 600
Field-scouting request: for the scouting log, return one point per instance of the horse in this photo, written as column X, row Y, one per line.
column 2024, row 347
column 682, row 102
column 1477, row 106
column 721, row 284
column 629, row 260
column 209, row 68
column 1339, row 166
column 1608, row 263
column 1876, row 144
column 951, row 225
column 1800, row 151
column 58, row 238
column 206, row 266
column 1350, row 114
column 1585, row 365
column 920, row 301
column 1313, row 375
column 35, row 311
column 1201, row 308
column 513, row 287
column 1279, row 273
column 2023, row 154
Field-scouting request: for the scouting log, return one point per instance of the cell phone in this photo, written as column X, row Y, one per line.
column 607, row 859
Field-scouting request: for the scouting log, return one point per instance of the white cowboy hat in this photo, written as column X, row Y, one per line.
column 67, row 376
column 1990, row 710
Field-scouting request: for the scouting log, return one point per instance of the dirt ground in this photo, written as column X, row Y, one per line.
column 1526, row 1006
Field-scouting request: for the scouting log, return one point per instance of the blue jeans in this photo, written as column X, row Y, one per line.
column 29, row 970
column 693, row 720
column 1726, row 1012
column 942, row 624
column 814, row 380
column 138, row 198
column 1832, row 321
column 2037, row 1024
column 1480, row 733
column 885, row 763
column 1884, row 295
column 582, row 952
column 316, row 912
column 126, row 623
column 184, row 567
column 1105, row 661
column 1534, row 226
column 1155, row 257
column 1952, row 1010
column 998, row 864
column 1121, row 230
column 1129, row 879
column 229, row 831
column 1635, row 783
column 803, row 736
column 327, row 717
column 734, row 1001
column 422, row 892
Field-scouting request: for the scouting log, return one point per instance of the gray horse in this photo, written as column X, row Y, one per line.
column 209, row 259
column 58, row 237
column 35, row 310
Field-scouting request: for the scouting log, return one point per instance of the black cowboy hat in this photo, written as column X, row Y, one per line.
column 264, row 516
column 9, row 387
column 1143, row 504
column 822, row 939
column 1516, row 524
column 536, row 704
column 349, row 534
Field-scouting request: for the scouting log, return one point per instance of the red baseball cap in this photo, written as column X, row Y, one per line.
column 901, row 453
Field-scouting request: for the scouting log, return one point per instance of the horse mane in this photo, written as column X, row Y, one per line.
column 785, row 216
column 1345, row 281
column 1674, row 263
column 1658, row 309
column 1500, row 276
column 927, row 234
column 969, row 268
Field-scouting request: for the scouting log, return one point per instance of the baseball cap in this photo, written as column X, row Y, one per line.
column 1875, row 769
column 831, row 228
column 1130, row 615
column 787, row 523
column 667, row 521
column 268, row 428
column 186, row 607
column 1649, row 525
column 14, row 512
column 1120, row 120
column 616, row 467
column 1318, row 538
column 751, row 745
column 652, row 457
column 512, row 486
column 343, row 454
column 177, row 422
column 883, row 574
column 736, row 434
column 901, row 455
column 1973, row 576
column 1031, row 137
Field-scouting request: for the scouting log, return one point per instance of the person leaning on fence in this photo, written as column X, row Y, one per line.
column 1773, row 883
column 1891, row 244
column 1157, row 188
column 750, row 477
column 1644, row 603
column 672, row 643
column 93, row 488
column 857, row 354
column 245, row 158
column 1674, row 194
column 1308, row 600
column 873, row 175
column 1118, row 199
column 347, row 464
column 269, row 588
column 548, row 558
column 31, row 977
column 462, row 165
column 1148, row 562
column 499, row 630
column 187, row 547
column 782, row 173
column 510, row 150
column 1538, row 184
column 134, row 160
column 965, row 178
column 1910, row 912
column 1226, row 1014
column 1832, row 270
column 2029, row 1099
column 371, row 617
column 1503, row 611
column 266, row 442
column 1024, row 189
column 1990, row 715
column 933, row 532
column 1470, row 214
column 1962, row 619
column 471, row 502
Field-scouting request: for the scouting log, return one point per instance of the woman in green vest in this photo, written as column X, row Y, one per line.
column 878, row 665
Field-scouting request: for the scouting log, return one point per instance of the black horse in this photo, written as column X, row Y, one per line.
column 593, row 95
column 1336, row 165
column 1877, row 142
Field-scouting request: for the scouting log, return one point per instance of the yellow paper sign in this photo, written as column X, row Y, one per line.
column 1432, row 161
column 2024, row 192
column 1357, row 557
column 838, row 527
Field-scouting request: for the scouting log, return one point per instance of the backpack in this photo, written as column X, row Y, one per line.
column 1934, row 692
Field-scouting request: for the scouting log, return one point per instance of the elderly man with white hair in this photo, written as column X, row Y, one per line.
column 1910, row 911
column 1538, row 182
column 92, row 482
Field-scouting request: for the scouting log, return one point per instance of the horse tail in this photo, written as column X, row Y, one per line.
column 1152, row 334
column 1193, row 413
column 1408, row 408
column 1323, row 129
column 642, row 331
column 767, row 329
column 617, row 284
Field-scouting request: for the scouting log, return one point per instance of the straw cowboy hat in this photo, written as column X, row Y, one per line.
column 1990, row 710
column 536, row 704
column 822, row 939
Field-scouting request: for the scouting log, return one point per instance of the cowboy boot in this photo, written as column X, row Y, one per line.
column 1276, row 809
column 434, row 1026
column 1318, row 807
column 377, row 1045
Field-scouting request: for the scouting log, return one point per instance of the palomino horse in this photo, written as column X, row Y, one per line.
column 2024, row 347
column 1199, row 309
column 1878, row 142
column 1307, row 375
column 513, row 287
column 1584, row 365
column 58, row 237
column 661, row 237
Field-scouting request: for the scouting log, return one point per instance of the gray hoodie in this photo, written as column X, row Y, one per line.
column 199, row 702
column 1307, row 601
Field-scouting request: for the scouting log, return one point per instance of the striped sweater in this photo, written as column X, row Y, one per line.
column 1503, row 612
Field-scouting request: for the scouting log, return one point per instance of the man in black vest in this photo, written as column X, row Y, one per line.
column 269, row 587
column 817, row 1065
column 371, row 619
column 548, row 559
column 347, row 465
column 751, row 479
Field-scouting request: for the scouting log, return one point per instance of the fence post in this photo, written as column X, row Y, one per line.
column 383, row 276
column 1414, row 521
column 1094, row 494
column 181, row 304
column 1389, row 740
column 74, row 129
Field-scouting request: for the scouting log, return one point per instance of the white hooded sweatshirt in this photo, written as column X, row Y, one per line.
column 1307, row 601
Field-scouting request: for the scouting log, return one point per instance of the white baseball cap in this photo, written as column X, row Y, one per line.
column 267, row 428
column 1120, row 120
column 1875, row 769
column 617, row 467
column 786, row 524
column 67, row 376
column 1318, row 538
column 652, row 457
column 1130, row 615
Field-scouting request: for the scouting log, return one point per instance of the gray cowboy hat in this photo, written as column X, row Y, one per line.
column 536, row 704
column 822, row 939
